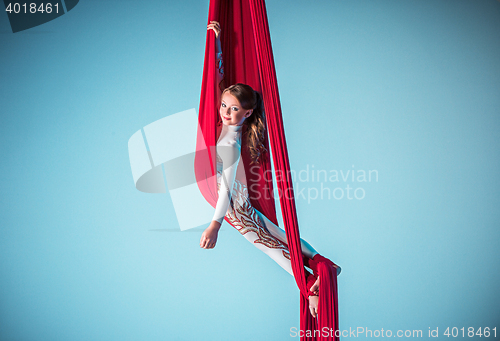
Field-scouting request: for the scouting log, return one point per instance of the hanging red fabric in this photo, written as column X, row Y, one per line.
column 248, row 58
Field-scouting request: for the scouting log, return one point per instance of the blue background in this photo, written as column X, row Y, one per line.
column 407, row 88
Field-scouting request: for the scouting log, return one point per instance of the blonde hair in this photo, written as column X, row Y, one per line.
column 256, row 122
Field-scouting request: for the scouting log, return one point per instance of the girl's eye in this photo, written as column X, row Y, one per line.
column 234, row 108
column 223, row 105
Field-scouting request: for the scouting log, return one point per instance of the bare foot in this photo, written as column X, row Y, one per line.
column 313, row 305
column 315, row 287
column 313, row 300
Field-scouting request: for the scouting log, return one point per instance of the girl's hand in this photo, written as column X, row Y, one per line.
column 214, row 25
column 209, row 236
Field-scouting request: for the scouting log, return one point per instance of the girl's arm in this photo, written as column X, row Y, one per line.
column 215, row 26
column 230, row 155
column 220, row 65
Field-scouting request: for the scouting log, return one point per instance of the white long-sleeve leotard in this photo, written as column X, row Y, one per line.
column 228, row 157
column 233, row 202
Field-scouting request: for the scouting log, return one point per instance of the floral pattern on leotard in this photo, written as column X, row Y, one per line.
column 244, row 218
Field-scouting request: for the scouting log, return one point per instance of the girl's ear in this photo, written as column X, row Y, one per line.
column 249, row 113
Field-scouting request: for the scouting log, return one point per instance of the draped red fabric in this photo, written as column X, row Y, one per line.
column 248, row 58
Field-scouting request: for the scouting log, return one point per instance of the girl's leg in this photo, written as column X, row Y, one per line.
column 276, row 231
column 262, row 233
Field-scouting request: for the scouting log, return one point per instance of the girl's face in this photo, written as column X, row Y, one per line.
column 231, row 111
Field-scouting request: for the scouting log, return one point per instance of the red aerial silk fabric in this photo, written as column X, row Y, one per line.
column 248, row 58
